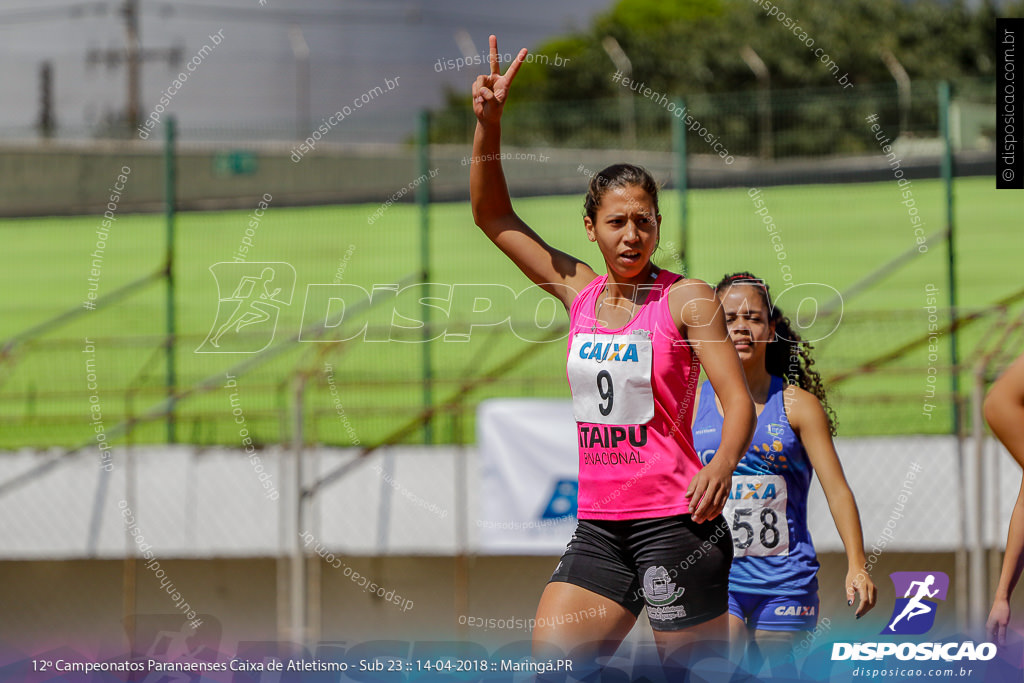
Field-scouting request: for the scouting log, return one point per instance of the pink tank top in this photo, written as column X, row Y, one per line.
column 632, row 391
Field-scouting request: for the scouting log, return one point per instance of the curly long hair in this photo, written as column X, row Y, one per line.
column 787, row 356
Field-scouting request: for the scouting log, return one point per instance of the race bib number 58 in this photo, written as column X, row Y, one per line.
column 756, row 513
column 610, row 378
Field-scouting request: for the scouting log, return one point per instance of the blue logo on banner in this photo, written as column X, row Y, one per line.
column 563, row 500
column 914, row 613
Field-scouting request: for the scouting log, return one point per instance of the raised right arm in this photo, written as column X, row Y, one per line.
column 557, row 272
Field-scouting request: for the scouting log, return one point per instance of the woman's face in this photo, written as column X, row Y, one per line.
column 626, row 229
column 748, row 322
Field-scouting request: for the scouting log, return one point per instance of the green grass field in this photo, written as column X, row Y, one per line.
column 832, row 234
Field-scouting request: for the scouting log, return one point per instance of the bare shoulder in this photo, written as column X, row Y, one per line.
column 1010, row 384
column 687, row 288
column 691, row 301
column 802, row 407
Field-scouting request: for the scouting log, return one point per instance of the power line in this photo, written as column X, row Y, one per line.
column 411, row 15
column 75, row 11
column 276, row 16
column 488, row 22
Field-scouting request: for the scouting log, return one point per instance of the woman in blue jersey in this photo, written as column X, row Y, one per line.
column 773, row 586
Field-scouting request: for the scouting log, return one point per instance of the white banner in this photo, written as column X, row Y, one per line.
column 528, row 469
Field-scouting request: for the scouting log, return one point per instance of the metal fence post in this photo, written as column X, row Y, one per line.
column 978, row 593
column 966, row 610
column 947, row 180
column 423, row 202
column 679, row 147
column 170, row 201
column 296, row 515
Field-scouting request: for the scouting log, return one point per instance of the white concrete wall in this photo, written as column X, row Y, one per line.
column 202, row 503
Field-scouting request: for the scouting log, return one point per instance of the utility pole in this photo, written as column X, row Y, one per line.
column 764, row 98
column 899, row 74
column 625, row 66
column 130, row 12
column 132, row 56
column 301, row 51
column 46, row 122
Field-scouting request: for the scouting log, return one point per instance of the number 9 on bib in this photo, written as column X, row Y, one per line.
column 610, row 378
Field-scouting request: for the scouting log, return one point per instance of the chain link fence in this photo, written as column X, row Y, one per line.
column 838, row 192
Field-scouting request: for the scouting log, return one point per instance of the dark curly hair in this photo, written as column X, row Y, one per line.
column 787, row 356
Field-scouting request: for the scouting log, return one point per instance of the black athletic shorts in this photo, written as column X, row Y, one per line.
column 679, row 569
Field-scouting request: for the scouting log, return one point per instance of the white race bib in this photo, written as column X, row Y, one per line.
column 756, row 513
column 610, row 378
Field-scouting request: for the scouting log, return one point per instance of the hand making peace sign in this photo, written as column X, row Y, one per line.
column 491, row 91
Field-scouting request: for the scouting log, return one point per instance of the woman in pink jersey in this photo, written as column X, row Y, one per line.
column 650, row 530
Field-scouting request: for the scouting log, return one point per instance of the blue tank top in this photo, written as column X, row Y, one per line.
column 771, row 482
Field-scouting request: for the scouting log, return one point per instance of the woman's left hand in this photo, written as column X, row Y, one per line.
column 858, row 583
column 709, row 490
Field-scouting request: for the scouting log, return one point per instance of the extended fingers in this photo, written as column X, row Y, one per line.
column 495, row 66
column 495, row 60
column 513, row 68
column 867, row 593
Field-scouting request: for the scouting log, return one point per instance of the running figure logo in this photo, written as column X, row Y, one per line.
column 172, row 638
column 247, row 319
column 914, row 613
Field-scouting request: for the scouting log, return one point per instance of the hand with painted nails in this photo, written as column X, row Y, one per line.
column 708, row 491
column 998, row 619
column 490, row 91
column 859, row 584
